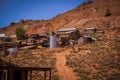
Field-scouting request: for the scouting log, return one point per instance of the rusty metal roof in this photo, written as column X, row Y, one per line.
column 66, row 29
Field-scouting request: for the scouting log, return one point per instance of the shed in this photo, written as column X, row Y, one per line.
column 81, row 41
column 8, row 47
column 12, row 36
column 100, row 32
column 2, row 37
column 90, row 30
column 71, row 33
column 86, row 39
column 89, row 39
column 9, row 71
column 66, row 30
column 31, row 40
column 117, row 38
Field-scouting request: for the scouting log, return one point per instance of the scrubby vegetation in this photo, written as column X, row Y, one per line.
column 36, row 58
column 20, row 33
column 96, row 61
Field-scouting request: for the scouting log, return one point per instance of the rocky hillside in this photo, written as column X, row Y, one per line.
column 96, row 61
column 86, row 15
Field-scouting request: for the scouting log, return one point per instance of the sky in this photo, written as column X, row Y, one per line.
column 15, row 10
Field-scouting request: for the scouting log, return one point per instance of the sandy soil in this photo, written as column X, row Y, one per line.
column 65, row 72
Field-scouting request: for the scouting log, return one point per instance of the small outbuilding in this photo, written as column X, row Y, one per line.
column 9, row 47
column 71, row 33
column 9, row 71
column 85, row 39
column 90, row 30
column 2, row 37
column 67, row 34
column 100, row 32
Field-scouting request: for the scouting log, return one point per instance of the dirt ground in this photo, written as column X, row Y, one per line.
column 65, row 72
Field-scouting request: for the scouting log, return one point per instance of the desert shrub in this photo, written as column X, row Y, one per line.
column 52, row 61
column 114, row 76
column 55, row 77
column 95, row 76
column 102, row 59
column 116, row 46
column 24, row 52
column 108, row 13
column 74, row 50
column 42, row 48
column 107, row 25
column 79, row 49
column 85, row 78
column 61, row 50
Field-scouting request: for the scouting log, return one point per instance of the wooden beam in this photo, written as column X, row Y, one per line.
column 30, row 74
column 50, row 75
column 44, row 75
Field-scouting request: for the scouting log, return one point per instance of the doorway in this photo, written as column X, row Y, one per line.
column 17, row 75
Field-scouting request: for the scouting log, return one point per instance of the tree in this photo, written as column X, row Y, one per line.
column 20, row 33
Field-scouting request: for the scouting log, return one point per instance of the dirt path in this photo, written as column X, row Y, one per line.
column 64, row 71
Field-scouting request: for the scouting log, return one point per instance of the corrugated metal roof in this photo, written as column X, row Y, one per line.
column 66, row 29
column 2, row 35
column 90, row 28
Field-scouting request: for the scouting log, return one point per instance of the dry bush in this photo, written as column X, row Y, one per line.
column 99, row 63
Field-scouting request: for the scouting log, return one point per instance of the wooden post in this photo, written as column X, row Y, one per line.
column 50, row 75
column 23, row 75
column 1, row 71
column 44, row 75
column 30, row 74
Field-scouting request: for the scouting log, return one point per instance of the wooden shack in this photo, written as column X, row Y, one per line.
column 67, row 34
column 9, row 71
column 38, row 39
column 117, row 38
column 100, row 32
column 88, row 31
column 2, row 37
column 31, row 41
column 86, row 39
column 13, row 37
column 71, row 33
column 4, row 46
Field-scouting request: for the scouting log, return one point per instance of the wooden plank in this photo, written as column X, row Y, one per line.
column 50, row 75
column 30, row 74
column 44, row 75
column 14, row 67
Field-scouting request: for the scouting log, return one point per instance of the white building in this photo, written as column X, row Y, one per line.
column 2, row 35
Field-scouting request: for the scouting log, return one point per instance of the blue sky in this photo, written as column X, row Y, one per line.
column 14, row 10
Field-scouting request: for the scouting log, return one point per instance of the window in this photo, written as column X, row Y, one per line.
column 5, row 76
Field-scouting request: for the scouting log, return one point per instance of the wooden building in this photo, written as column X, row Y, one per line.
column 2, row 37
column 38, row 39
column 88, row 31
column 65, row 35
column 117, row 38
column 71, row 33
column 86, row 39
column 100, row 33
column 9, row 71
column 8, row 47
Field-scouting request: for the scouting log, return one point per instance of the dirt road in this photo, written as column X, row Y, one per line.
column 64, row 71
